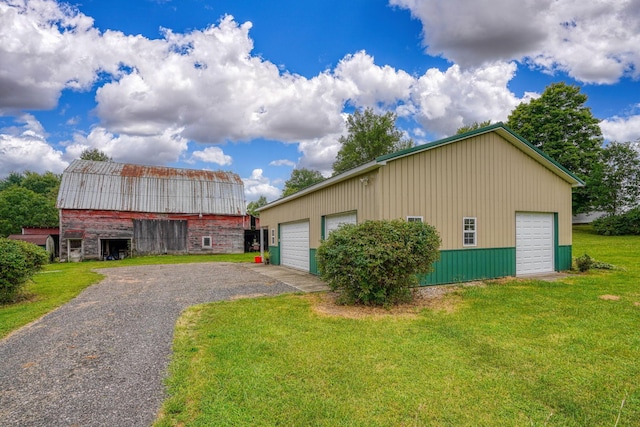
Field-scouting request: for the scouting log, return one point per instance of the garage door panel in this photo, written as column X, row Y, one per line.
column 333, row 222
column 534, row 243
column 294, row 245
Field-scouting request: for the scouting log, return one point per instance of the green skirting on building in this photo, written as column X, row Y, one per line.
column 461, row 265
column 313, row 267
column 476, row 264
column 471, row 264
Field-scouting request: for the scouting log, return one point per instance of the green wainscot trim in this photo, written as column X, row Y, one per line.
column 563, row 258
column 464, row 265
column 274, row 255
column 313, row 262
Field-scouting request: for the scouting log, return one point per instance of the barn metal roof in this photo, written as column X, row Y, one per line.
column 135, row 188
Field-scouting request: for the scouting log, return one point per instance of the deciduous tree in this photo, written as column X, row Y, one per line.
column 95, row 155
column 301, row 178
column 561, row 125
column 21, row 207
column 473, row 126
column 615, row 181
column 369, row 136
column 252, row 207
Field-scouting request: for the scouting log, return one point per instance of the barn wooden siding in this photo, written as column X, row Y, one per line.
column 160, row 236
column 226, row 232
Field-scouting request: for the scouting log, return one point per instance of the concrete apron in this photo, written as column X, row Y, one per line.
column 307, row 282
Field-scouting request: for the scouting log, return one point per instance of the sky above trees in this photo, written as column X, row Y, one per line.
column 262, row 87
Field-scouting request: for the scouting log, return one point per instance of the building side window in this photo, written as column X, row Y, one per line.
column 469, row 231
column 414, row 219
column 273, row 237
column 206, row 241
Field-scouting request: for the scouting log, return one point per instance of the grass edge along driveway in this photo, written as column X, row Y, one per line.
column 519, row 352
column 59, row 283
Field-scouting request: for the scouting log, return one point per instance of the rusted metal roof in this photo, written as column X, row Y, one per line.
column 135, row 188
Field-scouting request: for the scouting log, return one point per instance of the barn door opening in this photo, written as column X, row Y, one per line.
column 115, row 249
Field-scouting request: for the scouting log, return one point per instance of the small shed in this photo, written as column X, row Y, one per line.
column 501, row 206
column 113, row 210
column 45, row 241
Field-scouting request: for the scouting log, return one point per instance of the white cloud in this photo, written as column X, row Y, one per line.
column 446, row 100
column 283, row 162
column 207, row 86
column 212, row 155
column 592, row 41
column 158, row 149
column 45, row 48
column 26, row 148
column 208, row 83
column 621, row 129
column 259, row 185
column 370, row 84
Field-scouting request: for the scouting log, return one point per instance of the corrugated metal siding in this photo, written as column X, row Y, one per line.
column 123, row 187
column 357, row 195
column 484, row 177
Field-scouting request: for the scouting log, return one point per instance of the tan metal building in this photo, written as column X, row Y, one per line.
column 501, row 206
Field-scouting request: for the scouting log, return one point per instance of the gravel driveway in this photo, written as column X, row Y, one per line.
column 100, row 359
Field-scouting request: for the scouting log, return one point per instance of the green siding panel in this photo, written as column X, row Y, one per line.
column 564, row 259
column 471, row 264
column 313, row 262
column 274, row 255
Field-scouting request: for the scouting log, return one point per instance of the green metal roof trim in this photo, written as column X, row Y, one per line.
column 506, row 133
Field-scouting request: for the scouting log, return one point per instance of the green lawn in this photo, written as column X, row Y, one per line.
column 61, row 282
column 517, row 353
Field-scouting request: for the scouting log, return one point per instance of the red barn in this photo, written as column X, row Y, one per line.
column 112, row 210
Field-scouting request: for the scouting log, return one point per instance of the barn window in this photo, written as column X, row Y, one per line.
column 469, row 231
column 414, row 219
column 206, row 241
column 273, row 237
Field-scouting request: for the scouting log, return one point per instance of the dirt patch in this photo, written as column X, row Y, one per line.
column 438, row 298
column 636, row 303
column 245, row 296
column 609, row 297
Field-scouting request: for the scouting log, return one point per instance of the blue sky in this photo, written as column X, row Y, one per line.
column 260, row 87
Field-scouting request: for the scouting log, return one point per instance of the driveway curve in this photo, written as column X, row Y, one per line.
column 100, row 360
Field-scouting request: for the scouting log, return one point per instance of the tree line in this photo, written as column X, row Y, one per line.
column 28, row 199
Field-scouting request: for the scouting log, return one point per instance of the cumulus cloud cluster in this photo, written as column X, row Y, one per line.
column 206, row 86
column 594, row 41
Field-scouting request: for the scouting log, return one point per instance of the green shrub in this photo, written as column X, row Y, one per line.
column 619, row 225
column 584, row 263
column 376, row 262
column 18, row 262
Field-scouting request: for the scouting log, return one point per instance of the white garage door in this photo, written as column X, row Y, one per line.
column 294, row 245
column 534, row 243
column 332, row 222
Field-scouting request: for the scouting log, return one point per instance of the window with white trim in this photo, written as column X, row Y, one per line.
column 273, row 237
column 414, row 219
column 206, row 241
column 469, row 231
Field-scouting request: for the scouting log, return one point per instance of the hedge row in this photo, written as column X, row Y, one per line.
column 18, row 262
column 619, row 225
